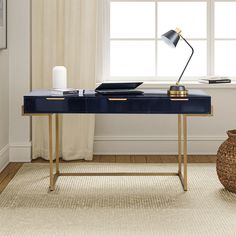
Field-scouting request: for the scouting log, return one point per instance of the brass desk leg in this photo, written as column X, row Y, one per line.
column 182, row 127
column 57, row 142
column 52, row 186
column 185, row 152
column 180, row 143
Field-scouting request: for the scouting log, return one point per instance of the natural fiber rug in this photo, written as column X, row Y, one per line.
column 117, row 205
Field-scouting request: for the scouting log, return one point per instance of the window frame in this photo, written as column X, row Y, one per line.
column 210, row 44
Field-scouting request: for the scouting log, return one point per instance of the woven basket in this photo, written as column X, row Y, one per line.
column 226, row 162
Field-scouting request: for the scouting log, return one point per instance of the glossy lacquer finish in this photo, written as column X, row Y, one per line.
column 150, row 102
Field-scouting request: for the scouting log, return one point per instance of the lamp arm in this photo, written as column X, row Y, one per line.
column 188, row 59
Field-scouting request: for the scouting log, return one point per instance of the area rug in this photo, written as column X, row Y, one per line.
column 117, row 205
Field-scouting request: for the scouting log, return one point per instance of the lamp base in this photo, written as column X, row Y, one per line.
column 177, row 91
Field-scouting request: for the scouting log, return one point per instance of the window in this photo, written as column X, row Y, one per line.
column 225, row 38
column 135, row 50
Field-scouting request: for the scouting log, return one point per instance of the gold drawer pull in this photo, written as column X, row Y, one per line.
column 55, row 99
column 117, row 99
column 179, row 99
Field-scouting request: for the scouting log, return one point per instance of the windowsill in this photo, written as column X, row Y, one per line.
column 189, row 85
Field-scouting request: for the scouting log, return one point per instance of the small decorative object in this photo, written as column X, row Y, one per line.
column 62, row 92
column 226, row 162
column 172, row 38
column 3, row 24
column 216, row 80
column 59, row 77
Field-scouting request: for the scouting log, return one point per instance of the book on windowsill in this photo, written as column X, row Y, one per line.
column 61, row 92
column 216, row 80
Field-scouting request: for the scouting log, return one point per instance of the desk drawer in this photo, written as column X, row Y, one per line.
column 54, row 105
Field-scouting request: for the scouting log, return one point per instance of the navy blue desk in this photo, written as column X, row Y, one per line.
column 44, row 102
column 151, row 102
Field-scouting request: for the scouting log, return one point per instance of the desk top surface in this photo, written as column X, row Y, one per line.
column 91, row 93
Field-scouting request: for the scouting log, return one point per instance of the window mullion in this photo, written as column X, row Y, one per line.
column 156, row 37
column 210, row 37
column 107, row 38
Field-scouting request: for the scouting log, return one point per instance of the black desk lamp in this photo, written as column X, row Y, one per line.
column 172, row 38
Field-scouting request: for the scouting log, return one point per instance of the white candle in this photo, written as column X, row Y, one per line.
column 59, row 77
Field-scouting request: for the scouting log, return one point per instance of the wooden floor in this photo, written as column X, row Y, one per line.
column 143, row 159
column 10, row 171
column 7, row 174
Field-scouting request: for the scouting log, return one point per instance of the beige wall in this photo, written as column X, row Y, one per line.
column 4, row 108
column 15, row 82
column 19, row 77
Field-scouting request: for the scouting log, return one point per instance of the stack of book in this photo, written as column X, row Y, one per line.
column 215, row 80
column 61, row 92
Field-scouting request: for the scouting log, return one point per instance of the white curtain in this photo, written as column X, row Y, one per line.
column 67, row 32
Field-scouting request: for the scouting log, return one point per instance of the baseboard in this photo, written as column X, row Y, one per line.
column 154, row 145
column 4, row 157
column 20, row 152
column 132, row 145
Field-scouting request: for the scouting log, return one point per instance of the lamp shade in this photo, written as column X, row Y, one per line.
column 171, row 38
